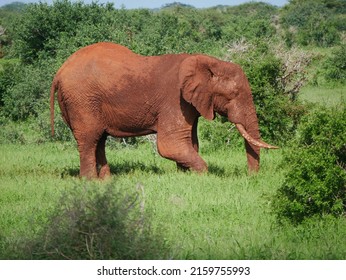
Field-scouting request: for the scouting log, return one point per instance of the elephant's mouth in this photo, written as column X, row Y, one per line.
column 251, row 140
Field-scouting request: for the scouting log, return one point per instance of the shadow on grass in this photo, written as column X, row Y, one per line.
column 216, row 170
column 130, row 167
column 92, row 222
column 119, row 169
column 233, row 171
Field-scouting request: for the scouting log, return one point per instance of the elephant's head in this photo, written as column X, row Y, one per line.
column 212, row 85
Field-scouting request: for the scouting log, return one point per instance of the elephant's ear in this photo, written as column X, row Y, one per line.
column 194, row 77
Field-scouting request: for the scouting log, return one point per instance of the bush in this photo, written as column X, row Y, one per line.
column 94, row 221
column 42, row 28
column 316, row 181
column 57, row 30
column 218, row 134
column 335, row 66
column 26, row 90
column 250, row 20
column 9, row 71
column 311, row 22
column 11, row 133
column 43, row 126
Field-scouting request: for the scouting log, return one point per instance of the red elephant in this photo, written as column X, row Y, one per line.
column 106, row 89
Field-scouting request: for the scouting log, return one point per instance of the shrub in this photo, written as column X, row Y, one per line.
column 42, row 28
column 311, row 22
column 218, row 134
column 94, row 221
column 11, row 133
column 315, row 183
column 250, row 20
column 43, row 126
column 57, row 30
column 335, row 66
column 25, row 88
column 9, row 70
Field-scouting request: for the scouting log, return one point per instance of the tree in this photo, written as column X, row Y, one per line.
column 313, row 22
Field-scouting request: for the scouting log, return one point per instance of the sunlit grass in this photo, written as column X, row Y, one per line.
column 225, row 214
column 326, row 96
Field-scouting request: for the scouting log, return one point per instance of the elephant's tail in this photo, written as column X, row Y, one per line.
column 52, row 97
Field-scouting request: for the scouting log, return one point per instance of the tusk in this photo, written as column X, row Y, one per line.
column 251, row 140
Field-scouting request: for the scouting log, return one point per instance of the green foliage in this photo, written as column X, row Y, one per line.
column 42, row 27
column 15, row 6
column 23, row 89
column 335, row 66
column 316, row 179
column 218, row 134
column 311, row 22
column 60, row 29
column 93, row 221
column 8, row 13
column 8, row 71
column 11, row 133
column 250, row 21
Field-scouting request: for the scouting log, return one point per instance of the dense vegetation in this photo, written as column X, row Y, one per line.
column 315, row 183
column 284, row 52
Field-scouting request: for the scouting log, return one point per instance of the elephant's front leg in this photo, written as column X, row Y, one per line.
column 180, row 147
column 195, row 144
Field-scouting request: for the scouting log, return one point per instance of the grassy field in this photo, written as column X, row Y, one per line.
column 326, row 96
column 149, row 210
column 224, row 214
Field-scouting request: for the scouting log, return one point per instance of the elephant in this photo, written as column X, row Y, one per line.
column 106, row 89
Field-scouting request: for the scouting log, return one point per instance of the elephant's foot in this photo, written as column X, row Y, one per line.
column 88, row 174
column 182, row 168
column 105, row 172
column 198, row 166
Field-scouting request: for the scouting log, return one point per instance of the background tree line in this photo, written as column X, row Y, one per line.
column 37, row 38
column 280, row 49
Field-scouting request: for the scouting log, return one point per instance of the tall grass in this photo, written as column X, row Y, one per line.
column 224, row 214
column 325, row 96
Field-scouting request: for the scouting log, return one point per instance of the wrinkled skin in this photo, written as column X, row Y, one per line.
column 106, row 89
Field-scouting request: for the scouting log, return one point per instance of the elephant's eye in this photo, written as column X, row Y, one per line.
column 227, row 88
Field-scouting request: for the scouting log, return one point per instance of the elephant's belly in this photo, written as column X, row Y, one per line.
column 126, row 132
column 125, row 121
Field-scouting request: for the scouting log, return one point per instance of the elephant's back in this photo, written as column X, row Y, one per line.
column 104, row 51
column 99, row 63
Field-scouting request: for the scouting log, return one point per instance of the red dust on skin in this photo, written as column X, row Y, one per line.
column 106, row 89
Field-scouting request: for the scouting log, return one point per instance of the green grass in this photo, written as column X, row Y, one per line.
column 224, row 214
column 326, row 96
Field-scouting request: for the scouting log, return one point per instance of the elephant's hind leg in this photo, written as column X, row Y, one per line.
column 103, row 167
column 88, row 145
column 87, row 152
